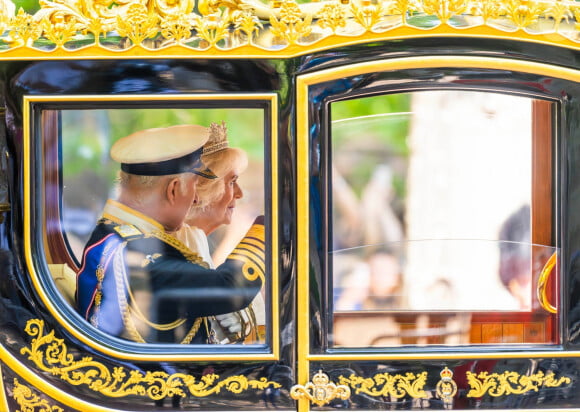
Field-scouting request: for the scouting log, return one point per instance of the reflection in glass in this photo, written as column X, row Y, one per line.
column 87, row 177
column 431, row 215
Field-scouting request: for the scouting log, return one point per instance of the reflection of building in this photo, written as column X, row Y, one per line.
column 469, row 168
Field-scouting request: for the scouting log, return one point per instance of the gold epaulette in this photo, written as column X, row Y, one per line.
column 128, row 231
column 251, row 251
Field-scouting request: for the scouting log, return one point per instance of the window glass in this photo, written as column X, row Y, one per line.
column 86, row 182
column 432, row 203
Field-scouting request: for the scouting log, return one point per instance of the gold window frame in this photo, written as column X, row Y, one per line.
column 272, row 352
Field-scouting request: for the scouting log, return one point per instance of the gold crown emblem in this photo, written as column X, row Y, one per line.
column 218, row 138
column 446, row 374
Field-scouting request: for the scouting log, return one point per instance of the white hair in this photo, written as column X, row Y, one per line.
column 140, row 186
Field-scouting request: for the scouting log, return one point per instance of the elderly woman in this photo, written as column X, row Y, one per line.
column 214, row 207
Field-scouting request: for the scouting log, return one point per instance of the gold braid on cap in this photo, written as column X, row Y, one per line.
column 218, row 139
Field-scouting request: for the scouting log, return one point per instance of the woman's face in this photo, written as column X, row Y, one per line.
column 220, row 212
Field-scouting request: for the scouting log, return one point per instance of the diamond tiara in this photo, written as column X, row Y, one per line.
column 218, row 138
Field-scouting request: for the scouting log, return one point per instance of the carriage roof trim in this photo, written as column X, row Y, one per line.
column 69, row 29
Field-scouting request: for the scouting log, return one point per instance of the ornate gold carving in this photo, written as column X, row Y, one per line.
column 176, row 28
column 446, row 388
column 248, row 24
column 559, row 11
column 487, row 9
column 51, row 355
column 212, row 28
column 60, row 28
column 320, row 391
column 258, row 28
column 444, row 9
column 28, row 401
column 24, row 29
column 332, row 16
column 403, row 7
column 385, row 384
column 137, row 23
column 507, row 383
column 367, row 14
column 524, row 12
column 291, row 26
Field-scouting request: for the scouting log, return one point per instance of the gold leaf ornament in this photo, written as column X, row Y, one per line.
column 332, row 16
column 248, row 24
column 403, row 7
column 385, row 384
column 523, row 12
column 59, row 28
column 507, row 383
column 213, row 27
column 28, row 401
column 177, row 28
column 367, row 14
column 559, row 11
column 290, row 26
column 444, row 9
column 51, row 355
column 25, row 30
column 137, row 23
column 487, row 9
column 7, row 10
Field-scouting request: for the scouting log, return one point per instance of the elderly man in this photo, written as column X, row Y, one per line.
column 137, row 281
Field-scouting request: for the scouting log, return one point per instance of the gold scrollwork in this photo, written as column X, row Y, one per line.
column 28, row 401
column 507, row 383
column 320, row 391
column 385, row 384
column 50, row 354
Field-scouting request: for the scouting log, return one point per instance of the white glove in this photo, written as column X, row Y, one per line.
column 230, row 322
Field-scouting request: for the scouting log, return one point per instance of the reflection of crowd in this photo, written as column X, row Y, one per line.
column 516, row 256
column 371, row 284
column 367, row 277
column 370, row 220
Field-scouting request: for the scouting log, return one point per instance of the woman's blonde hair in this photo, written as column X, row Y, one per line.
column 220, row 163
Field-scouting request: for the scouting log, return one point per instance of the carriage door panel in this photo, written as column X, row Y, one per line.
column 431, row 249
column 61, row 133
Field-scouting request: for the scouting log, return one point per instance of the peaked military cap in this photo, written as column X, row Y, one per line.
column 163, row 151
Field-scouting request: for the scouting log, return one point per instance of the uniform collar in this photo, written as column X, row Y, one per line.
column 123, row 214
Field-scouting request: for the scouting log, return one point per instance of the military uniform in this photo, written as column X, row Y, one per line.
column 129, row 256
column 251, row 320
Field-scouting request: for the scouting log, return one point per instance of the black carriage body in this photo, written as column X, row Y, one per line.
column 90, row 371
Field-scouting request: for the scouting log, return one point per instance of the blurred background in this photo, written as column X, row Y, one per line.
column 89, row 174
column 431, row 195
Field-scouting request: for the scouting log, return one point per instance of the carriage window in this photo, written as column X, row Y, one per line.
column 442, row 220
column 144, row 287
